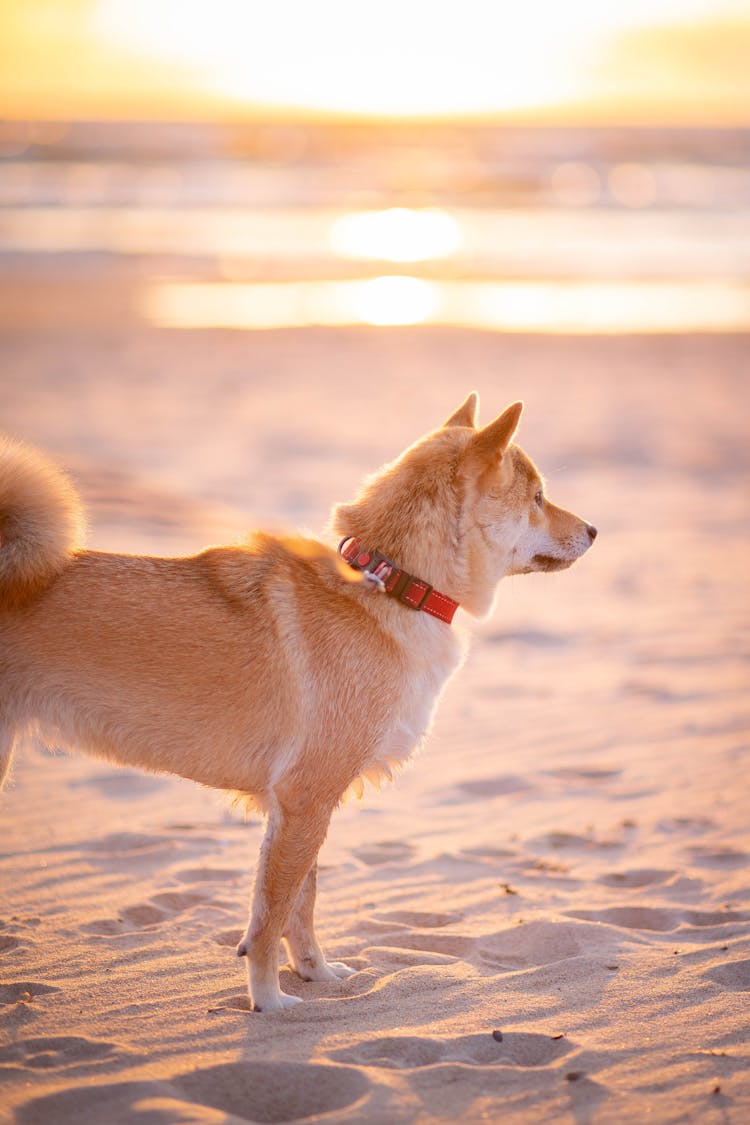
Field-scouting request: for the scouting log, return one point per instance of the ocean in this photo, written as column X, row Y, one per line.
column 284, row 224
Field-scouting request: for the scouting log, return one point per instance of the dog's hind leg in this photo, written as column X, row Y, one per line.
column 305, row 955
column 293, row 837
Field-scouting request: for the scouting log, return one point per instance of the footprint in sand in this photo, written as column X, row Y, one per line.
column 534, row 638
column 693, row 825
column 385, row 851
column 276, row 1091
column 129, row 847
column 632, row 918
column 410, row 1052
column 7, row 943
column 140, row 917
column 488, row 852
column 229, row 938
column 118, row 842
column 176, row 902
column 260, row 1091
column 536, row 944
column 658, row 692
column 719, row 856
column 584, row 773
column 143, row 916
column 121, row 785
column 24, row 991
column 652, row 919
column 559, row 841
column 54, row 1052
column 432, row 947
column 646, row 877
column 226, row 875
column 486, row 788
column 423, row 920
column 391, row 958
column 732, row 975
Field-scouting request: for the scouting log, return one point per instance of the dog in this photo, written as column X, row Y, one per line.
column 280, row 669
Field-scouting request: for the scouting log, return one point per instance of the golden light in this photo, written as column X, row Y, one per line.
column 395, row 59
column 400, row 59
column 397, row 234
column 675, row 60
column 381, row 301
column 394, row 300
column 569, row 307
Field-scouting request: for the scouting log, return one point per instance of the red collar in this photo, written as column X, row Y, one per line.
column 411, row 591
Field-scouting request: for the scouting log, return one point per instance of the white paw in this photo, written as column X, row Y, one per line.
column 340, row 970
column 275, row 1002
column 324, row 970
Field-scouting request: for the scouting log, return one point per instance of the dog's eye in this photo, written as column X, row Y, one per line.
column 539, row 499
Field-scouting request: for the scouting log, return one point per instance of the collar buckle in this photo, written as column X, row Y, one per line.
column 375, row 566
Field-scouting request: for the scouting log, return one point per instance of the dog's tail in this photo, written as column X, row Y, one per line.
column 41, row 523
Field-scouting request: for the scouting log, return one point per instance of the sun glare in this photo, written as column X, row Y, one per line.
column 391, row 301
column 397, row 234
column 397, row 59
column 560, row 307
column 187, row 59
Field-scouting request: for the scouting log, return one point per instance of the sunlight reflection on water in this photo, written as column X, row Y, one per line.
column 525, row 269
column 399, row 234
column 502, row 243
column 566, row 307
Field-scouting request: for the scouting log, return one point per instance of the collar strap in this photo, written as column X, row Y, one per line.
column 410, row 591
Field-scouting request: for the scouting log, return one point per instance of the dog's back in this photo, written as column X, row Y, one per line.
column 223, row 667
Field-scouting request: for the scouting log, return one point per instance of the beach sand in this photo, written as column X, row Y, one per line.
column 549, row 910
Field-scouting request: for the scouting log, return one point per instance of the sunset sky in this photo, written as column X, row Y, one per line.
column 661, row 61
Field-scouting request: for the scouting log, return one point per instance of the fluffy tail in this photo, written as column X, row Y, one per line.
column 41, row 523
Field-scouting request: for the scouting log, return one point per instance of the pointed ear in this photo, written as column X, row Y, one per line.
column 466, row 415
column 490, row 444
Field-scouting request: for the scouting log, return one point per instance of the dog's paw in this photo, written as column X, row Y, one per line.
column 324, row 970
column 340, row 969
column 275, row 1002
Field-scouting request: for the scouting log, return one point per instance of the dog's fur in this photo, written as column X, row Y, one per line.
column 269, row 669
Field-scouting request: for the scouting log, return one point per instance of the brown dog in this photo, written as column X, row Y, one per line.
column 241, row 667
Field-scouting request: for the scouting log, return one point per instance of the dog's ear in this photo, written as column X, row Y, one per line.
column 466, row 415
column 490, row 443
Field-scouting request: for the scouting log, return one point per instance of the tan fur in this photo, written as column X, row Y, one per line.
column 269, row 669
column 41, row 522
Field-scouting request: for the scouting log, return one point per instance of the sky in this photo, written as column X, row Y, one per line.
column 619, row 61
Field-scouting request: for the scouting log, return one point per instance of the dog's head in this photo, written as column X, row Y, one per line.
column 509, row 506
column 464, row 507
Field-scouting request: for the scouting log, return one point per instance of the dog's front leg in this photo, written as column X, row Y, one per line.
column 293, row 837
column 305, row 955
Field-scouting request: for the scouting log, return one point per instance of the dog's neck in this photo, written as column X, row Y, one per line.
column 411, row 591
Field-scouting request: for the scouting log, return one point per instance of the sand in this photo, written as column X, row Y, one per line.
column 549, row 911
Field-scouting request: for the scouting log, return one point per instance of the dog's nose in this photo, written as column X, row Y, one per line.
column 592, row 532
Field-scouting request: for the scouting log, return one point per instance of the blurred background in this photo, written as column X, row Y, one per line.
column 225, row 228
column 545, row 169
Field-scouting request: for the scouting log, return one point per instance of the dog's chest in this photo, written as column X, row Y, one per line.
column 411, row 713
